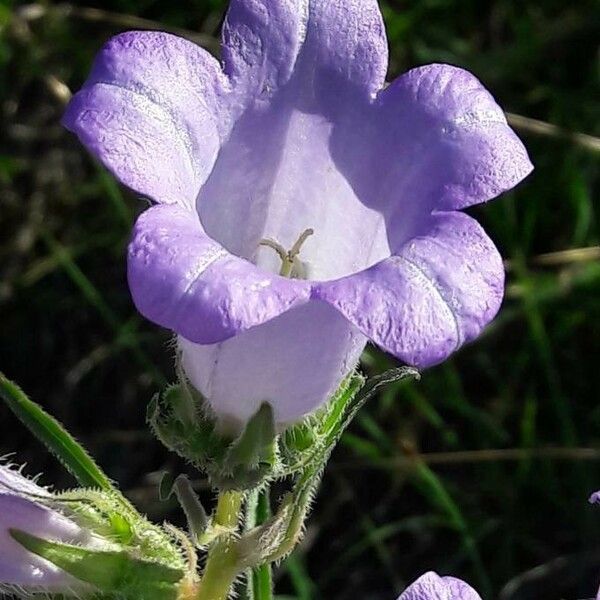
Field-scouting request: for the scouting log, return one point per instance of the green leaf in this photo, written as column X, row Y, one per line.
column 109, row 571
column 51, row 433
column 365, row 393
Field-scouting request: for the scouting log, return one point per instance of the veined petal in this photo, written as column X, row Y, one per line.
column 323, row 44
column 459, row 590
column 435, row 140
column 185, row 281
column 153, row 111
column 437, row 293
column 18, row 566
column 433, row 587
column 296, row 362
column 261, row 42
column 346, row 45
column 171, row 70
column 468, row 152
column 140, row 142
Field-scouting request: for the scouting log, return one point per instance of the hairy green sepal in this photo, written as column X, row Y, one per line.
column 179, row 420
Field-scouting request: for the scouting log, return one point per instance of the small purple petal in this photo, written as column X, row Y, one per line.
column 325, row 45
column 183, row 280
column 345, row 46
column 20, row 510
column 19, row 566
column 152, row 112
column 112, row 122
column 433, row 587
column 595, row 498
column 459, row 590
column 175, row 73
column 12, row 481
column 261, row 42
column 438, row 141
column 436, row 294
column 295, row 362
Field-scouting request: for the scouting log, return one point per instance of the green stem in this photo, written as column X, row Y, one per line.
column 222, row 566
column 262, row 577
column 227, row 514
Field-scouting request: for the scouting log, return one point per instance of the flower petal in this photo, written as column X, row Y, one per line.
column 185, row 281
column 437, row 293
column 433, row 587
column 346, row 44
column 459, row 590
column 435, row 140
column 295, row 362
column 595, row 498
column 153, row 111
column 13, row 481
column 261, row 42
column 326, row 44
column 472, row 155
column 20, row 567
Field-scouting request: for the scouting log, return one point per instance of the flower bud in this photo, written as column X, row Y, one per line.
column 84, row 543
column 23, row 508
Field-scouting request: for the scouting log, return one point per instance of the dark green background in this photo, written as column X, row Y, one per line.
column 477, row 470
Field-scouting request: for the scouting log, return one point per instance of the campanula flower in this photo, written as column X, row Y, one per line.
column 24, row 506
column 595, row 498
column 302, row 207
column 433, row 587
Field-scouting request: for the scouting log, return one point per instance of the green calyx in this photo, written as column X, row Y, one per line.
column 110, row 516
column 231, row 463
column 259, row 455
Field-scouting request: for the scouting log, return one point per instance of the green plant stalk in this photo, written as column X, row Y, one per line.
column 222, row 566
column 221, row 570
column 262, row 577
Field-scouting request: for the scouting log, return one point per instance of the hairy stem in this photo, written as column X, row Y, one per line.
column 222, row 565
column 261, row 580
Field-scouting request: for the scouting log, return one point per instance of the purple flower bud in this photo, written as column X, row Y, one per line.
column 297, row 132
column 23, row 507
column 595, row 498
column 433, row 587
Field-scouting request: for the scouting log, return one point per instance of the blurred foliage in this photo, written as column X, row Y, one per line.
column 483, row 468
